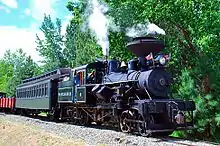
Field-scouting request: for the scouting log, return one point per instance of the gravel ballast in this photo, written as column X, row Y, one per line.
column 95, row 136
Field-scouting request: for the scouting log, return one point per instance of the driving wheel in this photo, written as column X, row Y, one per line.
column 142, row 125
column 124, row 124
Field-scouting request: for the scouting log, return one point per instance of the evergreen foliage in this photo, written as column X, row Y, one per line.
column 52, row 46
column 14, row 68
column 192, row 37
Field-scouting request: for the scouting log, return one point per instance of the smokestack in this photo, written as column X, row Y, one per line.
column 143, row 46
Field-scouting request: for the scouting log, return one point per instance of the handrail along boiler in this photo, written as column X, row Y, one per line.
column 134, row 98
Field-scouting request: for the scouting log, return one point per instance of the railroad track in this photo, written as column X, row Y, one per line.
column 167, row 139
column 185, row 141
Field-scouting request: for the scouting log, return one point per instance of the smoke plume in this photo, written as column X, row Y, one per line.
column 140, row 30
column 100, row 24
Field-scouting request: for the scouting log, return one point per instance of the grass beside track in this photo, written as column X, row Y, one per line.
column 14, row 134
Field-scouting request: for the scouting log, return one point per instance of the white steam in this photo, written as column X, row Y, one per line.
column 100, row 24
column 140, row 30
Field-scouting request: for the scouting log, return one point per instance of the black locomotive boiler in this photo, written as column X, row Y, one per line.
column 135, row 98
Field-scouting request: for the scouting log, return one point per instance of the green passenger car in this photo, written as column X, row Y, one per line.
column 40, row 92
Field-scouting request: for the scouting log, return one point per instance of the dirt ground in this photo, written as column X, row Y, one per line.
column 15, row 134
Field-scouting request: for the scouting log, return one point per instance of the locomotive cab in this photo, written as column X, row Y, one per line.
column 85, row 78
column 95, row 72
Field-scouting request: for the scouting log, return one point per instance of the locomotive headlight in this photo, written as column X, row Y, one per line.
column 162, row 60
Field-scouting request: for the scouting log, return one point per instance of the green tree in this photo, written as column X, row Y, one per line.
column 51, row 47
column 6, row 71
column 18, row 67
column 81, row 47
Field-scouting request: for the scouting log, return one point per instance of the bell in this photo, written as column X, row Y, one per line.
column 123, row 64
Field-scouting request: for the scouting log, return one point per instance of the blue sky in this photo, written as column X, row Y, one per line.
column 20, row 21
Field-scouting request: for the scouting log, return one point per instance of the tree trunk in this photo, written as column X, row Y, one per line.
column 206, row 85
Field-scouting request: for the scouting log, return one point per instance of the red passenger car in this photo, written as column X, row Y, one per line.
column 6, row 102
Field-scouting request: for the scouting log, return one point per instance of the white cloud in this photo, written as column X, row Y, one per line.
column 27, row 12
column 37, row 11
column 14, row 38
column 38, row 8
column 10, row 3
column 5, row 9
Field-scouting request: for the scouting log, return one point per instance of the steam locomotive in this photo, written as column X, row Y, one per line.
column 133, row 97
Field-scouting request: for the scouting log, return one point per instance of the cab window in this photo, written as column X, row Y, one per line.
column 80, row 78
